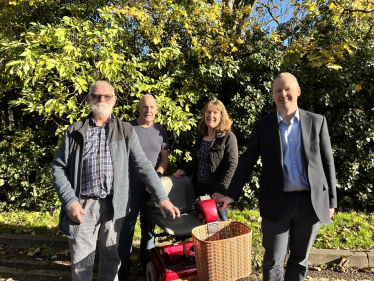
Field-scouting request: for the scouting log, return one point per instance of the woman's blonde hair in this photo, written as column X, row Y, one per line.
column 224, row 125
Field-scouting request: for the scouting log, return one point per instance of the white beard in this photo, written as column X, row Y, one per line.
column 100, row 109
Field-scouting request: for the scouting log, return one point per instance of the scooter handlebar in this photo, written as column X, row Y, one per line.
column 187, row 209
column 193, row 207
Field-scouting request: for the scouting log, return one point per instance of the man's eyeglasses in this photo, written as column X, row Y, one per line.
column 98, row 97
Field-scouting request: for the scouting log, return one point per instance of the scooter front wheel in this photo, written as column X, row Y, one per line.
column 151, row 272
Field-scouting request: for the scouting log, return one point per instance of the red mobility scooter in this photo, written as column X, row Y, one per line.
column 177, row 261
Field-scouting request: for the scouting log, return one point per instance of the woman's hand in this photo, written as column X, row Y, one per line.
column 226, row 202
column 179, row 173
column 217, row 196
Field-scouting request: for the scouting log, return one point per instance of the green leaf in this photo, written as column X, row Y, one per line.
column 13, row 63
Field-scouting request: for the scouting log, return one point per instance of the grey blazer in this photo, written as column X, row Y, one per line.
column 265, row 142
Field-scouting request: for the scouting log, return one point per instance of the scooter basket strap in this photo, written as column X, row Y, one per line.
column 225, row 255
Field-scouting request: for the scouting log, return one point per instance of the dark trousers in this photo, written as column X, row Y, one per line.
column 293, row 232
column 139, row 196
column 206, row 189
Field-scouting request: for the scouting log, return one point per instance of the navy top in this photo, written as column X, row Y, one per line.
column 202, row 155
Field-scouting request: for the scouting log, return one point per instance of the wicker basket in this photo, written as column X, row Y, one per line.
column 224, row 256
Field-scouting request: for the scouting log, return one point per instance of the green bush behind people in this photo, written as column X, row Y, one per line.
column 185, row 53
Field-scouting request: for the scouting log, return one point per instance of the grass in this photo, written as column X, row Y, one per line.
column 252, row 219
column 34, row 223
column 348, row 230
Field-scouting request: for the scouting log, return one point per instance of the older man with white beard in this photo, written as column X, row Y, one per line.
column 91, row 178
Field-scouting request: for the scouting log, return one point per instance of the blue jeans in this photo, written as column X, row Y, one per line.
column 139, row 196
column 294, row 231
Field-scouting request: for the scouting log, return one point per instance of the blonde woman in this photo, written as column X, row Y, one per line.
column 215, row 154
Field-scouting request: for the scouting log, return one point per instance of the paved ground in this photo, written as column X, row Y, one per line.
column 46, row 264
column 355, row 258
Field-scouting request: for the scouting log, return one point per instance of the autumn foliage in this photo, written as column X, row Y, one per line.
column 185, row 53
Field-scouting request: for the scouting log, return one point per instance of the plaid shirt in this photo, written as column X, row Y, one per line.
column 97, row 175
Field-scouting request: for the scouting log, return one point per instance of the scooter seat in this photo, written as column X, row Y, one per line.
column 182, row 194
column 179, row 227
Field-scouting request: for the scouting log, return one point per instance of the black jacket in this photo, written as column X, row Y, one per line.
column 223, row 159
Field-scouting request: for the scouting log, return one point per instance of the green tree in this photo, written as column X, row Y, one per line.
column 27, row 144
column 158, row 47
column 185, row 53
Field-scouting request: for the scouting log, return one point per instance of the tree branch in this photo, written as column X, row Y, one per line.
column 243, row 3
column 367, row 34
column 358, row 10
column 270, row 12
column 229, row 4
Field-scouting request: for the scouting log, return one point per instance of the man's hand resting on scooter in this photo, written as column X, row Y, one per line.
column 168, row 206
column 226, row 201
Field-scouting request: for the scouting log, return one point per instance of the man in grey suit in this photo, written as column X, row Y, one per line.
column 298, row 185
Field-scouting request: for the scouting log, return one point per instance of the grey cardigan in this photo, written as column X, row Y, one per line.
column 124, row 149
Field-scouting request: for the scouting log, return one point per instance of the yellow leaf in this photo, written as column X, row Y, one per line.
column 333, row 66
column 348, row 49
column 336, row 47
column 358, row 88
column 313, row 6
column 340, row 56
column 331, row 6
column 156, row 40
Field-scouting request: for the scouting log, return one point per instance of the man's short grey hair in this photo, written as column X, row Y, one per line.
column 284, row 75
column 93, row 86
column 146, row 95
